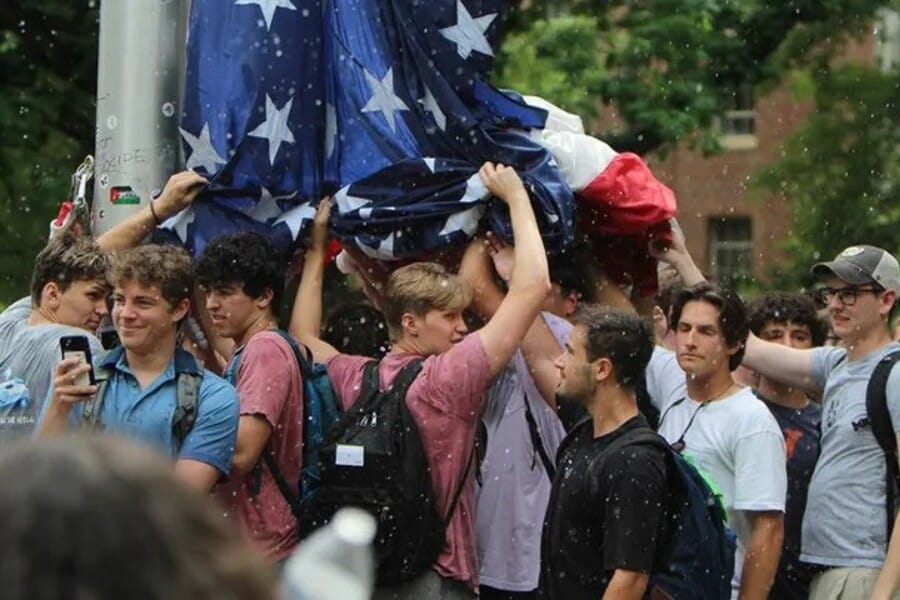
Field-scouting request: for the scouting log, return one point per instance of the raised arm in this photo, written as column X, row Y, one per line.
column 530, row 282
column 477, row 270
column 306, row 317
column 791, row 366
column 539, row 347
column 676, row 254
column 180, row 191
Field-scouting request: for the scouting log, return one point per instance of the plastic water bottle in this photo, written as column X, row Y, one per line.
column 335, row 563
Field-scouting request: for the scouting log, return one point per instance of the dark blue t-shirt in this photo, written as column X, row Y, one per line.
column 801, row 430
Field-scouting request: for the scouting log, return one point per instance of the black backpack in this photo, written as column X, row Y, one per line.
column 373, row 459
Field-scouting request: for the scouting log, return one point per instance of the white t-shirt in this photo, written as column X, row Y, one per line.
column 735, row 441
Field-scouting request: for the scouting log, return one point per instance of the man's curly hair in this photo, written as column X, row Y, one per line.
column 247, row 259
column 786, row 307
column 168, row 267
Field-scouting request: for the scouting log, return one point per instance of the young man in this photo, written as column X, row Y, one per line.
column 607, row 515
column 68, row 297
column 844, row 527
column 791, row 320
column 153, row 285
column 423, row 312
column 522, row 427
column 724, row 428
column 243, row 278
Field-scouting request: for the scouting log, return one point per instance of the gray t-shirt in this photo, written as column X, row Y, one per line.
column 844, row 522
column 31, row 353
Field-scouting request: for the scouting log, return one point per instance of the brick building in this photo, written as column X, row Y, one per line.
column 732, row 230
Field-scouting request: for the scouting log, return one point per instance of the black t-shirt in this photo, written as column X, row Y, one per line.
column 603, row 514
column 801, row 437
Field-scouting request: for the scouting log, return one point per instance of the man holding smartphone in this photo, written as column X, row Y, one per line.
column 69, row 287
column 153, row 286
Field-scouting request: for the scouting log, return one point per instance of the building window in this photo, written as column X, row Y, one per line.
column 737, row 125
column 887, row 39
column 731, row 249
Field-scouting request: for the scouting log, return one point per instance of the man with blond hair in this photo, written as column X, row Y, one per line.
column 423, row 310
column 68, row 297
column 153, row 286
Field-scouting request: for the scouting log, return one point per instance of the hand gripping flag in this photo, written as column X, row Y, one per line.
column 385, row 102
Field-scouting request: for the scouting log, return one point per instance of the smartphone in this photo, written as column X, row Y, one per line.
column 77, row 346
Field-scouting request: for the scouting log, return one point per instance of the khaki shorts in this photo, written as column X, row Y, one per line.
column 844, row 583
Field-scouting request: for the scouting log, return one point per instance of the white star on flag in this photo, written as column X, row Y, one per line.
column 430, row 163
column 294, row 217
column 347, row 203
column 431, row 105
column 468, row 33
column 203, row 153
column 384, row 100
column 385, row 250
column 267, row 208
column 268, row 8
column 179, row 223
column 275, row 128
column 466, row 220
column 475, row 190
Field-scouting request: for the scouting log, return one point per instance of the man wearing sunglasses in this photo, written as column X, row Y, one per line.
column 844, row 531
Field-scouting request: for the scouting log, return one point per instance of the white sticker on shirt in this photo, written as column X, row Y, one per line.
column 348, row 456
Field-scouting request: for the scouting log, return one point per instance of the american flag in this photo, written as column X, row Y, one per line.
column 385, row 103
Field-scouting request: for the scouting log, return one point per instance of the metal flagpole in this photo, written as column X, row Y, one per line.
column 140, row 80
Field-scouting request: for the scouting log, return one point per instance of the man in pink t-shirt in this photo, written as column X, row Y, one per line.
column 423, row 306
column 243, row 278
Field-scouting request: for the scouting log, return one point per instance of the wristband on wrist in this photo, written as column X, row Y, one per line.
column 153, row 212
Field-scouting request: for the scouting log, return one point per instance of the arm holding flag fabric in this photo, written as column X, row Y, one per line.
column 306, row 317
column 539, row 347
column 530, row 281
column 180, row 191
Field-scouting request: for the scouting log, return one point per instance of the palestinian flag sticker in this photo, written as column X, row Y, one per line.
column 122, row 195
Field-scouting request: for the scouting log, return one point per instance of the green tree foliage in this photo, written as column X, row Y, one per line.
column 841, row 171
column 666, row 65
column 48, row 64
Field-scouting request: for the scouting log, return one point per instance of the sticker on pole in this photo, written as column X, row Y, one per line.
column 121, row 195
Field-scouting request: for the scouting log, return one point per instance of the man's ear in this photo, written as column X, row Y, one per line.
column 732, row 350
column 265, row 299
column 603, row 370
column 887, row 300
column 50, row 295
column 571, row 303
column 181, row 310
column 410, row 324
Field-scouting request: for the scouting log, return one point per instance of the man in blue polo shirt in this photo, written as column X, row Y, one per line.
column 153, row 286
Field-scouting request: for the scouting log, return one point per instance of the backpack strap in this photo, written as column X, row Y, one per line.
column 537, row 442
column 289, row 496
column 93, row 407
column 187, row 395
column 459, row 490
column 292, row 499
column 883, row 429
